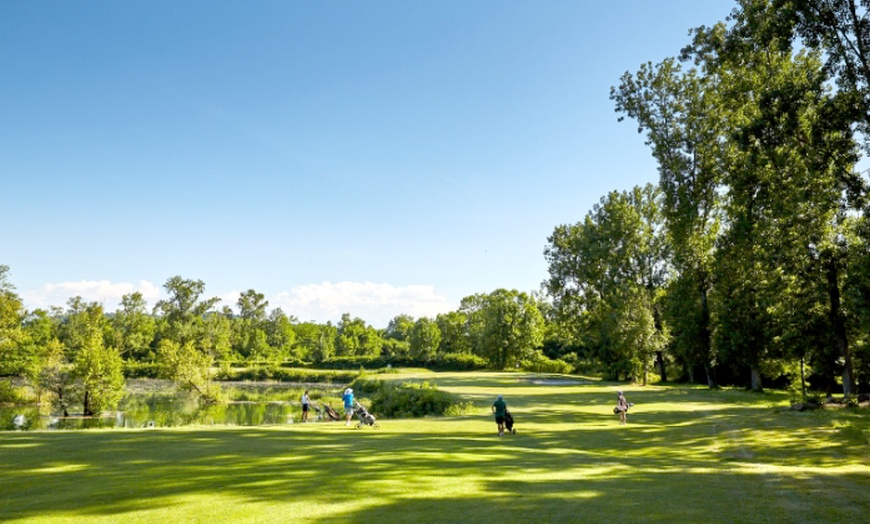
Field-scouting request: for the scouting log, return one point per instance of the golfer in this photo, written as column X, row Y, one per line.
column 499, row 408
column 306, row 404
column 347, row 398
column 621, row 407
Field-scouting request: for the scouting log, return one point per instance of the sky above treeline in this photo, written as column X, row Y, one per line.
column 372, row 158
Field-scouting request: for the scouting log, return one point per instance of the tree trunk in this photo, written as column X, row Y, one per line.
column 711, row 377
column 755, row 378
column 803, row 382
column 706, row 337
column 86, row 408
column 660, row 362
column 839, row 326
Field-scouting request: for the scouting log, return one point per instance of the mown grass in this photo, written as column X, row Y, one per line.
column 687, row 455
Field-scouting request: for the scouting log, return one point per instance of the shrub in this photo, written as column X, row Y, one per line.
column 9, row 394
column 409, row 399
column 442, row 362
column 133, row 369
column 282, row 374
column 539, row 363
column 458, row 362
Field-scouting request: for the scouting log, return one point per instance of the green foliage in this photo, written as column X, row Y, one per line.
column 134, row 328
column 98, row 375
column 315, row 341
column 188, row 367
column 539, row 363
column 441, row 362
column 424, row 339
column 133, row 369
column 282, row 374
column 409, row 399
column 10, row 394
column 504, row 326
column 457, row 362
column 356, row 338
column 606, row 277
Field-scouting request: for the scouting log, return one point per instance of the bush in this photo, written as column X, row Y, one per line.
column 9, row 394
column 442, row 362
column 409, row 399
column 539, row 363
column 133, row 369
column 281, row 374
column 458, row 362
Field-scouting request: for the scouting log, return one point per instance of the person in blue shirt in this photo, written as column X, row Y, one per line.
column 347, row 398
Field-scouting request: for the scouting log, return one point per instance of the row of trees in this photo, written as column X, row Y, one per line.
column 79, row 353
column 749, row 260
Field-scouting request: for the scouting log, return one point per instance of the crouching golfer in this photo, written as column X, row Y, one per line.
column 499, row 408
column 348, row 405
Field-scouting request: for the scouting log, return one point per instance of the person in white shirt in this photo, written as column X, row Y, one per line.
column 306, row 404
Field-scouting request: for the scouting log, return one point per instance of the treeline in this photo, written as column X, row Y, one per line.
column 80, row 354
column 749, row 262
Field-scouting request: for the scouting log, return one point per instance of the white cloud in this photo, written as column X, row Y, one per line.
column 374, row 303
column 107, row 293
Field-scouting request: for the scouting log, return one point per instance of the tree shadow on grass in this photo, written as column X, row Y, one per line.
column 569, row 462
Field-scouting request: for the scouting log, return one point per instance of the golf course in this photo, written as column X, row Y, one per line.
column 687, row 454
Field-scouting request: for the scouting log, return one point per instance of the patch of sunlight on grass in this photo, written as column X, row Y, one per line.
column 19, row 445
column 58, row 468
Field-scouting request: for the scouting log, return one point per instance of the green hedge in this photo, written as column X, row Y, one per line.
column 445, row 362
column 133, row 369
column 287, row 375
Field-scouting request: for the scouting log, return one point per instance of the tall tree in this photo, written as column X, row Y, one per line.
column 356, row 338
column 425, row 339
column 280, row 335
column 183, row 311
column 315, row 341
column 839, row 29
column 790, row 181
column 606, row 278
column 134, row 328
column 185, row 351
column 680, row 111
column 96, row 373
column 505, row 325
column 454, row 332
column 11, row 315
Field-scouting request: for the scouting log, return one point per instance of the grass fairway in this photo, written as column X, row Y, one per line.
column 687, row 455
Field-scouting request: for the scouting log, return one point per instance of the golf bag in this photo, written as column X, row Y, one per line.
column 331, row 413
column 509, row 422
column 616, row 409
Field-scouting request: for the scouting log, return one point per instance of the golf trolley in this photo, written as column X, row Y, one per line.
column 365, row 418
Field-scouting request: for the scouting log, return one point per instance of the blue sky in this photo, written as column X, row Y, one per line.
column 366, row 157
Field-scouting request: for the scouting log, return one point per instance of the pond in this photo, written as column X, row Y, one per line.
column 156, row 404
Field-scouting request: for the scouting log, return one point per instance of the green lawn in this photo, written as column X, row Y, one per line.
column 687, row 455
